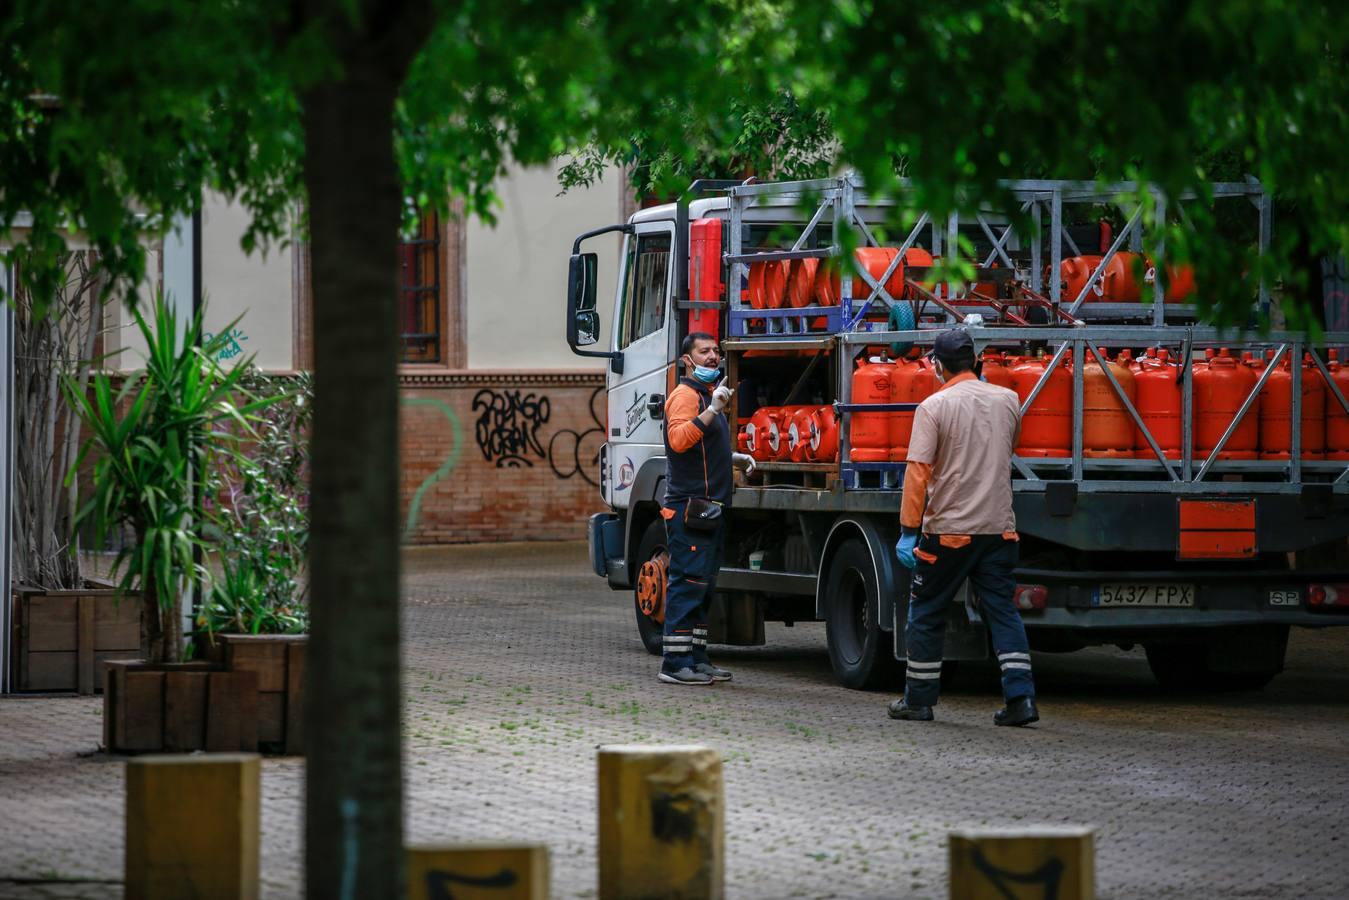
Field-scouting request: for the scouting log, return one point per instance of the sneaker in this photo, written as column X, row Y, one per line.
column 716, row 673
column 686, row 675
column 900, row 709
column 1019, row 711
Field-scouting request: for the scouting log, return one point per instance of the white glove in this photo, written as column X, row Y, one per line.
column 721, row 398
column 743, row 461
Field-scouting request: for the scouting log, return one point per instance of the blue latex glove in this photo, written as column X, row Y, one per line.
column 904, row 550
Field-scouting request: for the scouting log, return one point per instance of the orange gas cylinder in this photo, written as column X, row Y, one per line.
column 874, row 260
column 1221, row 386
column 767, row 284
column 1337, row 419
column 914, row 381
column 778, row 431
column 801, row 282
column 798, row 433
column 1073, row 274
column 1276, row 413
column 1123, row 277
column 869, row 433
column 995, row 369
column 1047, row 427
column 823, row 443
column 1126, row 358
column 1179, row 283
column 1159, row 405
column 757, row 431
column 1107, row 428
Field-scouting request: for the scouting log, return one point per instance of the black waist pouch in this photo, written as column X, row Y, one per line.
column 701, row 514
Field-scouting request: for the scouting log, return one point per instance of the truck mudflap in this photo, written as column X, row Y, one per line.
column 1140, row 601
column 604, row 534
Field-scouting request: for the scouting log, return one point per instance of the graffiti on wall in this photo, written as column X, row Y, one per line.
column 573, row 453
column 446, row 465
column 507, row 429
column 231, row 347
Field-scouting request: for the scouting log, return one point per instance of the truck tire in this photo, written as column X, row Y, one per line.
column 1243, row 659
column 651, row 559
column 861, row 653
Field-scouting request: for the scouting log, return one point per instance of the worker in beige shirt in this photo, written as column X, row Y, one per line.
column 956, row 522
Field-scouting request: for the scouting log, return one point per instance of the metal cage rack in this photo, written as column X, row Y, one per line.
column 1080, row 329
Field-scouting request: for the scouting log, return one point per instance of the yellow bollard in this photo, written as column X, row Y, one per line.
column 478, row 872
column 192, row 827
column 662, row 818
column 1023, row 863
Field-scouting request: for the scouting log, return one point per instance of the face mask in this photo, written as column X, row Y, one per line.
column 705, row 374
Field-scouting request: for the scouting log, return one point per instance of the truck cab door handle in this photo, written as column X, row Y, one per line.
column 655, row 405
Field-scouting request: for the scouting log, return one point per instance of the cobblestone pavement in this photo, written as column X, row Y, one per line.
column 519, row 663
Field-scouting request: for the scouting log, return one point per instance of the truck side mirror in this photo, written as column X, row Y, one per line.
column 583, row 322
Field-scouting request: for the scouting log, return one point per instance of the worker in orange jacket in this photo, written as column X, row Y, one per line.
column 698, row 484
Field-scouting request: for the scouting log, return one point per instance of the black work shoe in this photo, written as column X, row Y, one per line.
column 1019, row 711
column 716, row 673
column 900, row 709
column 686, row 675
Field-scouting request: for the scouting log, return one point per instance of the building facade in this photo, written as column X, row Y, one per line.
column 501, row 424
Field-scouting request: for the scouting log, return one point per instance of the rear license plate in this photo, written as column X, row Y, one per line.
column 1144, row 595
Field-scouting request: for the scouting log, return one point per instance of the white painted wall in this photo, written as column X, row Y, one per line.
column 257, row 287
column 517, row 272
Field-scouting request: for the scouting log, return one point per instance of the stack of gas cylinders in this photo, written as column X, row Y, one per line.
column 791, row 434
column 814, row 282
column 1119, row 283
column 1222, row 382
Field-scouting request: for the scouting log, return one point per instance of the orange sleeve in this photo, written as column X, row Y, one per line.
column 681, row 419
column 916, row 477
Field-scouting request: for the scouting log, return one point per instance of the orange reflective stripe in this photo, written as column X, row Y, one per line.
column 666, row 513
column 1010, row 536
column 954, row 541
column 925, row 556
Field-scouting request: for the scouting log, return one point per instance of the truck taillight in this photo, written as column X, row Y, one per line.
column 1031, row 596
column 1328, row 595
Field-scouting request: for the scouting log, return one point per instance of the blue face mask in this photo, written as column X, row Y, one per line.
column 705, row 374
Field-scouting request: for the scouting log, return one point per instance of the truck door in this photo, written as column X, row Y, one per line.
column 643, row 333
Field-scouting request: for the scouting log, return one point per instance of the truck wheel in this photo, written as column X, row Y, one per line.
column 861, row 653
column 1244, row 660
column 648, row 593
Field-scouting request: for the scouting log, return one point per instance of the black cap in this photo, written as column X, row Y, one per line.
column 954, row 343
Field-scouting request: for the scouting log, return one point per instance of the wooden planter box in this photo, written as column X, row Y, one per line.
column 61, row 639
column 178, row 707
column 278, row 661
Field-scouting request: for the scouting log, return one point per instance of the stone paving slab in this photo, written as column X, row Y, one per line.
column 519, row 663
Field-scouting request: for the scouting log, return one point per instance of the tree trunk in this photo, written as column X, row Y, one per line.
column 354, row 790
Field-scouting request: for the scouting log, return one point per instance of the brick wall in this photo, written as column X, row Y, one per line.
column 500, row 455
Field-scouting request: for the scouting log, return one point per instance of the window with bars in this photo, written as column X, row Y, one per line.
column 419, row 293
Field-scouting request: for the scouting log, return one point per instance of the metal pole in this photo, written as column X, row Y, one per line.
column 843, row 218
column 1036, row 275
column 1159, row 267
column 1187, row 409
column 6, row 464
column 1055, row 247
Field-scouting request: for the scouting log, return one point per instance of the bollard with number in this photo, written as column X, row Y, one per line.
column 478, row 872
column 1023, row 864
column 192, row 826
column 662, row 817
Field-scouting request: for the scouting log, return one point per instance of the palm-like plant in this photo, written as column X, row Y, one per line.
column 151, row 439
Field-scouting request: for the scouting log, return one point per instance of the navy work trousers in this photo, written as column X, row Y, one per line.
column 695, row 559
column 988, row 561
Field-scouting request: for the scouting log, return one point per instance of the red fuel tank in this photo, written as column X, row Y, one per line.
column 1221, row 386
column 1337, row 419
column 913, row 382
column 798, row 433
column 767, row 284
column 1107, row 428
column 779, row 432
column 873, row 260
column 823, row 444
column 869, row 432
column 801, row 282
column 705, row 283
column 1159, row 405
column 1276, row 413
column 1047, row 427
column 757, row 431
column 995, row 369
